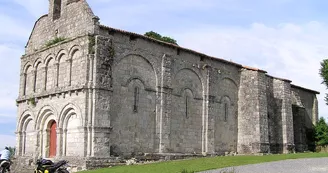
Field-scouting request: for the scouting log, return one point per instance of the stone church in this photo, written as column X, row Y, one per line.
column 89, row 93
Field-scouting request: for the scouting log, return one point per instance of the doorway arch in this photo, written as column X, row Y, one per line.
column 52, row 138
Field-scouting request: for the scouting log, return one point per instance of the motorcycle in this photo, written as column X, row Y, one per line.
column 4, row 166
column 47, row 166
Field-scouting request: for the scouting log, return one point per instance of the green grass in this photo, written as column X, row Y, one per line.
column 202, row 164
column 54, row 41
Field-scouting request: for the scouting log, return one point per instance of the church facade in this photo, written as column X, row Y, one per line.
column 92, row 92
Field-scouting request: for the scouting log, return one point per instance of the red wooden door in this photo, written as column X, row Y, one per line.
column 53, row 139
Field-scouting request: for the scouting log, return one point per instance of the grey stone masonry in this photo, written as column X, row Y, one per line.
column 252, row 108
column 96, row 95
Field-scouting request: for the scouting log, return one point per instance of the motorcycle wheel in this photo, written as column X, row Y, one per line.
column 62, row 171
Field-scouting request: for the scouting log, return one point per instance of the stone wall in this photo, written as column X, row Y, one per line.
column 115, row 93
column 33, row 125
column 252, row 109
column 185, row 120
column 305, row 114
column 52, row 86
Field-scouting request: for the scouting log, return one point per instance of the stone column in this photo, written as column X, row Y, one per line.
column 90, row 105
column 23, row 84
column 70, row 60
column 163, row 125
column 60, row 145
column 57, row 74
column 44, row 88
column 35, row 72
column 210, row 112
column 19, row 141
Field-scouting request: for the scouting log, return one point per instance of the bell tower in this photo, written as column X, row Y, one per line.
column 55, row 9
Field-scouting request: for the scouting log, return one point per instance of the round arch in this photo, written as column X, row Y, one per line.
column 73, row 49
column 24, row 116
column 61, row 53
column 26, row 66
column 44, row 113
column 179, row 89
column 116, row 65
column 48, row 59
column 37, row 62
column 66, row 112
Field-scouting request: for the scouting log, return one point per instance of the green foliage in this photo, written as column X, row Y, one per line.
column 321, row 132
column 32, row 101
column 203, row 164
column 54, row 41
column 324, row 74
column 12, row 151
column 157, row 36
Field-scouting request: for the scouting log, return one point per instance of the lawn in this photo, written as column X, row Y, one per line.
column 202, row 164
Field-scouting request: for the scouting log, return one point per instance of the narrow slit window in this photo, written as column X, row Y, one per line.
column 226, row 111
column 187, row 106
column 56, row 9
column 136, row 99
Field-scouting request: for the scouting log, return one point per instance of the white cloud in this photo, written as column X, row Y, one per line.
column 7, row 140
column 288, row 50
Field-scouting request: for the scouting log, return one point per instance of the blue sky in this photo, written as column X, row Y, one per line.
column 287, row 38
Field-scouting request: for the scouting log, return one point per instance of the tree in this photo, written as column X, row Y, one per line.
column 321, row 132
column 157, row 36
column 324, row 74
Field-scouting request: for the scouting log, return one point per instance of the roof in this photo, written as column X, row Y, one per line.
column 182, row 48
column 29, row 38
column 286, row 80
column 202, row 55
column 306, row 89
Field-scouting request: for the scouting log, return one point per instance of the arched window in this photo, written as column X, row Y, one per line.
column 226, row 112
column 136, row 99
column 56, row 9
column 226, row 103
column 187, row 105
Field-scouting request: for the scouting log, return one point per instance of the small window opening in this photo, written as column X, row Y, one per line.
column 136, row 99
column 225, row 111
column 56, row 9
column 201, row 58
column 187, row 106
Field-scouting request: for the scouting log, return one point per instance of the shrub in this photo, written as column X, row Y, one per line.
column 54, row 41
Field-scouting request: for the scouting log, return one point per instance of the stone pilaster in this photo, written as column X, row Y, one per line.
column 210, row 111
column 165, row 105
column 60, row 142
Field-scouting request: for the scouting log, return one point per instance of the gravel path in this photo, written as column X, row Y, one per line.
column 313, row 165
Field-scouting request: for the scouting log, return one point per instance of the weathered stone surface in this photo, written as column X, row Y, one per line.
column 116, row 95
